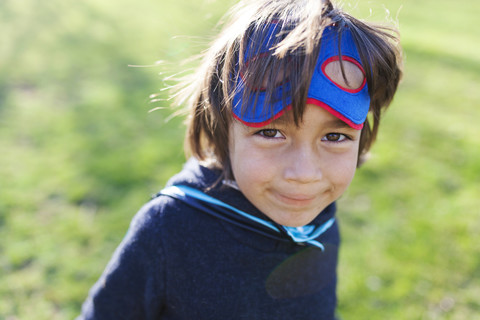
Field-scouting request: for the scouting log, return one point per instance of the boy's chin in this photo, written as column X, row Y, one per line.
column 291, row 220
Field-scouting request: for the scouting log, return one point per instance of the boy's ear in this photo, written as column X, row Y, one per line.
column 362, row 158
column 365, row 143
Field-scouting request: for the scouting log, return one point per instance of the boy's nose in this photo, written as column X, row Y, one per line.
column 302, row 165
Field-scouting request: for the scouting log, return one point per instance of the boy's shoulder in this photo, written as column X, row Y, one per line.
column 160, row 212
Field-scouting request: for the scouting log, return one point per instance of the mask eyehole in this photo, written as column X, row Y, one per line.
column 354, row 79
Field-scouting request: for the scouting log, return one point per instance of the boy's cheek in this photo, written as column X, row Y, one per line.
column 344, row 172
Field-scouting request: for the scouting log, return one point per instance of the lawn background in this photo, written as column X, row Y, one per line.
column 80, row 153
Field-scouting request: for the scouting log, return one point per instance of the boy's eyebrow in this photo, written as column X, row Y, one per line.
column 282, row 120
column 337, row 123
column 333, row 123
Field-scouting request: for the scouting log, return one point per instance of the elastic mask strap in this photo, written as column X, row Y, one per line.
column 299, row 235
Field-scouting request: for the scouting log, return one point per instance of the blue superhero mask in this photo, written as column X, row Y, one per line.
column 351, row 106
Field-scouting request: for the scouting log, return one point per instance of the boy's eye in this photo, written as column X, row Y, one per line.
column 334, row 137
column 270, row 133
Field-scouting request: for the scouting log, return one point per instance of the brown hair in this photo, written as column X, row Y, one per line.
column 208, row 93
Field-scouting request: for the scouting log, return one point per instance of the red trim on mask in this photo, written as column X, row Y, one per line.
column 263, row 123
column 309, row 101
column 335, row 113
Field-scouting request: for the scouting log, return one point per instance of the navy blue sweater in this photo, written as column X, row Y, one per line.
column 179, row 263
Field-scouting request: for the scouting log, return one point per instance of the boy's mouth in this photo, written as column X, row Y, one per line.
column 295, row 199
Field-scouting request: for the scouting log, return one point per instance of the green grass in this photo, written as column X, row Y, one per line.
column 79, row 154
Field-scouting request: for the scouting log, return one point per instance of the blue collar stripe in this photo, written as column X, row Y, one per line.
column 304, row 234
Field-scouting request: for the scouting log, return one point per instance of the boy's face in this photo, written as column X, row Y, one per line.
column 292, row 173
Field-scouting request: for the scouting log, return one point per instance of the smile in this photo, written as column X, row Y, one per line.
column 295, row 199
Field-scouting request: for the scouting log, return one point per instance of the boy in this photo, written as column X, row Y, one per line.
column 277, row 126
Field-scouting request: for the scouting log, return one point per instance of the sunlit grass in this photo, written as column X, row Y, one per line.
column 411, row 217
